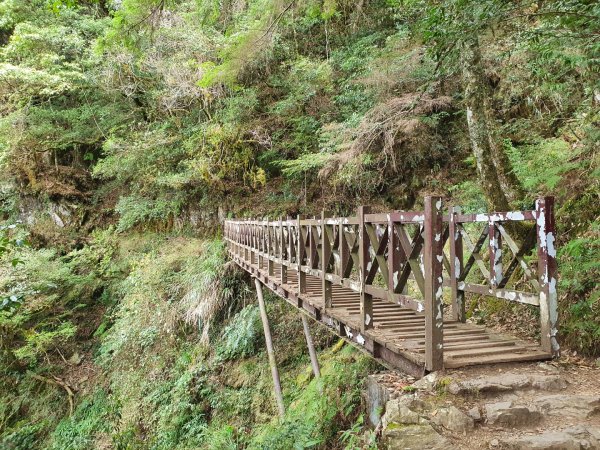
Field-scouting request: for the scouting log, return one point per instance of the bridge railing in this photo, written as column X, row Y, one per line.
column 409, row 258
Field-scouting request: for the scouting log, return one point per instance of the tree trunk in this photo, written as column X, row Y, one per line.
column 500, row 184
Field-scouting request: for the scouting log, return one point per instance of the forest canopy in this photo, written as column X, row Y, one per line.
column 130, row 128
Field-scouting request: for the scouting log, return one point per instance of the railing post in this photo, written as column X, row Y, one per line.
column 301, row 254
column 433, row 258
column 366, row 300
column 325, row 255
column 547, row 273
column 456, row 265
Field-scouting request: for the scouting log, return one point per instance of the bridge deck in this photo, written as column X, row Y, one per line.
column 398, row 334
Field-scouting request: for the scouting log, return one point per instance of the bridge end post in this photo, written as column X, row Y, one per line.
column 547, row 274
column 366, row 300
column 433, row 259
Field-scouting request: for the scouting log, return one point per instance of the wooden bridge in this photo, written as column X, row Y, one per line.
column 395, row 283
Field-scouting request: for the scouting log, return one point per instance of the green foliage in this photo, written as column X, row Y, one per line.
column 93, row 417
column 242, row 336
column 311, row 420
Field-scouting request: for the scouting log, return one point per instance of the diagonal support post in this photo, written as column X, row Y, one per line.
column 311, row 348
column 270, row 349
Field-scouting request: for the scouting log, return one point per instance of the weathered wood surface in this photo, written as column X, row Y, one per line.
column 378, row 279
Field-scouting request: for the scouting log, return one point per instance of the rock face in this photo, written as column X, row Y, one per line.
column 575, row 438
column 493, row 412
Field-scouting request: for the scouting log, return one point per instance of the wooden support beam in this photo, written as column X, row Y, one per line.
column 433, row 257
column 366, row 300
column 547, row 271
column 270, row 350
column 456, row 267
column 311, row 348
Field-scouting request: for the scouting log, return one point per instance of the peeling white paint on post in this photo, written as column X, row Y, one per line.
column 547, row 273
column 432, row 261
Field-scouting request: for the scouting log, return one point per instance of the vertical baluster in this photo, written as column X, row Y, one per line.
column 270, row 249
column 393, row 258
column 433, row 257
column 282, row 253
column 301, row 255
column 495, row 249
column 366, row 300
column 456, row 266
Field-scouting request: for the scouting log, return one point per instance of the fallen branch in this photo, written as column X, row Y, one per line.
column 57, row 382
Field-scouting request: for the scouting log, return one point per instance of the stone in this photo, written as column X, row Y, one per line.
column 475, row 414
column 453, row 419
column 576, row 406
column 376, row 397
column 548, row 382
column 507, row 383
column 398, row 413
column 494, row 443
column 506, row 414
column 575, row 438
column 414, row 437
column 413, row 402
column 75, row 359
column 493, row 384
column 427, row 383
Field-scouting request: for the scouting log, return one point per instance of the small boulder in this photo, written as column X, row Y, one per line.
column 577, row 406
column 506, row 414
column 453, row 419
column 398, row 413
column 575, row 438
column 475, row 414
column 414, row 437
column 427, row 383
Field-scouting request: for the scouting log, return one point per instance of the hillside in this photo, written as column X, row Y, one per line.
column 129, row 129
